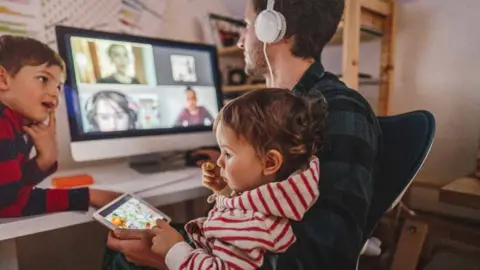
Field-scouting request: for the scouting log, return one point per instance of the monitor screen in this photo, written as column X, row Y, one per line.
column 123, row 86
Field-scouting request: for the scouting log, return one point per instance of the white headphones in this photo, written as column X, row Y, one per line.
column 270, row 25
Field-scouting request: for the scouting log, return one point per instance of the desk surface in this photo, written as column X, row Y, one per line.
column 117, row 177
column 464, row 192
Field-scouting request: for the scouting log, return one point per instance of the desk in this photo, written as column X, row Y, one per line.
column 464, row 192
column 114, row 177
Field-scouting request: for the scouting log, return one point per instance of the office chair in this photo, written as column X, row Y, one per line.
column 407, row 140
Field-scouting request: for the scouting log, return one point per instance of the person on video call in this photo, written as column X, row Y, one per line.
column 120, row 58
column 193, row 115
column 110, row 110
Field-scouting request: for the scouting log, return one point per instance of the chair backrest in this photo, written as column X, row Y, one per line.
column 407, row 139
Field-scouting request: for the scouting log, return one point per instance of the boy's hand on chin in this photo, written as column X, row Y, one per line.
column 45, row 141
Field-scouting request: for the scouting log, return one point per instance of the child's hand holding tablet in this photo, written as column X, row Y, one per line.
column 129, row 212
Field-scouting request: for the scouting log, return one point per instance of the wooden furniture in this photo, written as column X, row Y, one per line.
column 410, row 245
column 363, row 20
column 463, row 192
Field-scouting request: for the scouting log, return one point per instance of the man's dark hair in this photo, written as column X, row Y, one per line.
column 17, row 52
column 312, row 23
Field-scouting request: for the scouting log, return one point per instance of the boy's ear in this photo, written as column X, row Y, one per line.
column 4, row 79
column 273, row 162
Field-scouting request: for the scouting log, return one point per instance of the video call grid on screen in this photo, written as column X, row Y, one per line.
column 128, row 86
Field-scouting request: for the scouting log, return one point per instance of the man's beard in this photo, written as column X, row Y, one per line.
column 257, row 64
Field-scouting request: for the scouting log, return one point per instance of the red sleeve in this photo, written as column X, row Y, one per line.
column 32, row 175
column 18, row 197
column 56, row 200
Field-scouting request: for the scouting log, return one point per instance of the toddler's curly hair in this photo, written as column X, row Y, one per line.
column 274, row 118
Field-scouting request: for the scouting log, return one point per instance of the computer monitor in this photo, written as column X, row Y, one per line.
column 128, row 95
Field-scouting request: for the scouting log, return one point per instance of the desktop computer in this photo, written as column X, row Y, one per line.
column 131, row 96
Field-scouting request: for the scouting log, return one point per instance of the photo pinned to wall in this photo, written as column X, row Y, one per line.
column 98, row 15
column 143, row 17
column 112, row 62
column 21, row 18
column 183, row 68
column 225, row 31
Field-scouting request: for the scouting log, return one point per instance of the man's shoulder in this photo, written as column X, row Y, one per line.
column 332, row 87
column 340, row 97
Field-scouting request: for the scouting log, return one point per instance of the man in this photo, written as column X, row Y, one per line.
column 330, row 235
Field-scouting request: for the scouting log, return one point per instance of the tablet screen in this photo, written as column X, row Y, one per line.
column 131, row 213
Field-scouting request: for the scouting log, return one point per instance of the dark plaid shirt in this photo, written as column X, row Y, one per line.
column 19, row 175
column 331, row 233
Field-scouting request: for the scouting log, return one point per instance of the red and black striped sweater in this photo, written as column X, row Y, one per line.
column 19, row 175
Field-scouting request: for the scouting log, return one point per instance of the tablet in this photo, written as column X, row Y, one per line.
column 129, row 212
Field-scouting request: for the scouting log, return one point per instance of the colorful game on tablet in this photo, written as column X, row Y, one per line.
column 129, row 212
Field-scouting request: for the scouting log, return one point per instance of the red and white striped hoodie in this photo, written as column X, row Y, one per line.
column 239, row 230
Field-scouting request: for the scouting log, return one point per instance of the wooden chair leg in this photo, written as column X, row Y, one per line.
column 410, row 245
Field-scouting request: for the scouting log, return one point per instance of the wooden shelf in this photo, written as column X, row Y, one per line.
column 242, row 88
column 381, row 7
column 367, row 33
column 363, row 81
column 230, row 51
column 464, row 192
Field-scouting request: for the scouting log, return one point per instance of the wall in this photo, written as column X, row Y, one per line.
column 437, row 69
column 183, row 21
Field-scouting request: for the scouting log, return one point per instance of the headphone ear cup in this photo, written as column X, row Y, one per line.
column 270, row 26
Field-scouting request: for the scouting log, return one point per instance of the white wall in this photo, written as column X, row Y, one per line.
column 437, row 68
column 182, row 22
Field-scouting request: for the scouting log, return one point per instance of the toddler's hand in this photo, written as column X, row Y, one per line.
column 165, row 238
column 211, row 177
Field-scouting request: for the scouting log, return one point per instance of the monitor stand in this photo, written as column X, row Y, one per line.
column 158, row 162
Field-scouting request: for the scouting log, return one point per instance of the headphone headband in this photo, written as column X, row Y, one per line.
column 270, row 4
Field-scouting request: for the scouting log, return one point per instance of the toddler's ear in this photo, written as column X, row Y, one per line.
column 4, row 79
column 272, row 162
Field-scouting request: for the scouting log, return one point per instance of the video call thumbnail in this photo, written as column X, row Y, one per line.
column 104, row 61
column 129, row 86
column 183, row 68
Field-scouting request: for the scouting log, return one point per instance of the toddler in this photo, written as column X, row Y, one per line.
column 267, row 176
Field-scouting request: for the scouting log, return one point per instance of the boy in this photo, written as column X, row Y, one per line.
column 31, row 77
